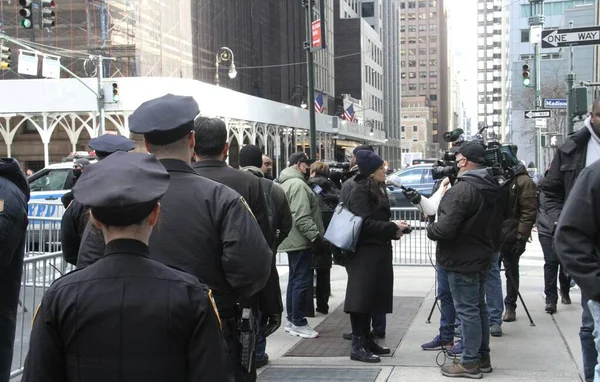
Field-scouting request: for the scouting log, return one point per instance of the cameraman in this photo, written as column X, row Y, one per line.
column 464, row 250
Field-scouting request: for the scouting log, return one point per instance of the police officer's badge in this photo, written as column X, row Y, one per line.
column 214, row 307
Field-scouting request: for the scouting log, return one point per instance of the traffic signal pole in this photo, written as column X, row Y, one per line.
column 570, row 82
column 537, row 19
column 99, row 75
column 308, row 4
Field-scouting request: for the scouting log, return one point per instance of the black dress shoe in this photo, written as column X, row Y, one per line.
column 566, row 299
column 361, row 353
column 375, row 348
column 550, row 308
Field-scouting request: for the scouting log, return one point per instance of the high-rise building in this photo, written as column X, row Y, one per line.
column 554, row 68
column 424, row 58
column 493, row 69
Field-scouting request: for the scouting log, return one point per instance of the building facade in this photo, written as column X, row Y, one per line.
column 417, row 127
column 555, row 64
column 493, row 69
column 424, row 58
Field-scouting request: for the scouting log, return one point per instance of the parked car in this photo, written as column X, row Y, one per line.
column 417, row 177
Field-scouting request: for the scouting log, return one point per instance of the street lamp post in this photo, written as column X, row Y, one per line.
column 369, row 123
column 224, row 54
column 298, row 91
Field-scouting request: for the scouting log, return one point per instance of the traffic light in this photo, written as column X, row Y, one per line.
column 5, row 57
column 116, row 96
column 579, row 98
column 26, row 15
column 526, row 76
column 47, row 14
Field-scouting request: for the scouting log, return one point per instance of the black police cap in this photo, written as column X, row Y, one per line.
column 165, row 119
column 122, row 189
column 107, row 144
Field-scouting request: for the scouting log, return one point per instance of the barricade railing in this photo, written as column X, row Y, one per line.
column 43, row 232
column 39, row 272
column 412, row 249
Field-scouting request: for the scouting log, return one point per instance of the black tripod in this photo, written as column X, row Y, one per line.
column 511, row 280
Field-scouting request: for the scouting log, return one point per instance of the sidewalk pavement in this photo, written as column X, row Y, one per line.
column 548, row 351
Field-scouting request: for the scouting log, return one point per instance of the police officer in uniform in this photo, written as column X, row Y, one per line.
column 206, row 228
column 126, row 317
column 75, row 219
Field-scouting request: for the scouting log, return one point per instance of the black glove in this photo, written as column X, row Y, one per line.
column 271, row 324
column 412, row 195
column 318, row 246
column 519, row 248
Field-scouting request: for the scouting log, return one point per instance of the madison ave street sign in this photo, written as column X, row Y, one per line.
column 556, row 38
column 555, row 103
column 542, row 113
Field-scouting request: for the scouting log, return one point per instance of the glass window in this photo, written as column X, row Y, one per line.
column 411, row 4
column 53, row 180
column 415, row 128
column 412, row 75
column 415, row 138
column 433, row 38
column 402, row 28
column 402, row 16
column 368, row 9
column 432, row 15
column 412, row 63
column 557, row 8
column 403, row 128
column 422, row 4
column 433, row 3
column 432, row 62
column 433, row 97
column 412, row 52
column 412, row 28
column 402, row 75
column 422, row 62
column 433, row 86
column 412, row 16
column 433, row 51
column 423, row 16
column 423, row 74
column 402, row 5
column 432, row 27
column 524, row 35
column 412, row 40
column 423, row 86
column 412, row 86
column 411, row 176
column 423, row 40
column 422, row 28
column 422, row 51
column 433, row 74
column 403, row 64
column 402, row 40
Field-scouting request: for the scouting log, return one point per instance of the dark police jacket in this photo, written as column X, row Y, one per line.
column 14, row 195
column 577, row 238
column 568, row 162
column 127, row 318
column 206, row 229
column 72, row 227
column 465, row 228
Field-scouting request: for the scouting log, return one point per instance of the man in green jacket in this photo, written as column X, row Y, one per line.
column 305, row 238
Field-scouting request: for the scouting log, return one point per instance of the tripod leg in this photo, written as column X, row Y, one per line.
column 431, row 312
column 512, row 281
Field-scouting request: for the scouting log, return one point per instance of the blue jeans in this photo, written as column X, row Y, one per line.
column 594, row 308
column 586, row 337
column 448, row 313
column 378, row 322
column 493, row 291
column 468, row 290
column 261, row 340
column 299, row 280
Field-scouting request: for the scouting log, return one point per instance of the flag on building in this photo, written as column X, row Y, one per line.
column 349, row 114
column 319, row 102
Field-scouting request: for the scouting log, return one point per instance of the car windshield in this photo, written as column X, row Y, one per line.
column 53, row 180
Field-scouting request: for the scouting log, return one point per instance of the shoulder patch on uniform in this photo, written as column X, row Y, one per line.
column 35, row 314
column 245, row 204
column 214, row 307
column 1, row 205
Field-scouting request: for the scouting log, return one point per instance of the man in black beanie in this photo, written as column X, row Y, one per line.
column 280, row 221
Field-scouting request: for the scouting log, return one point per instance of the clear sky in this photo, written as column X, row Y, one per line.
column 462, row 43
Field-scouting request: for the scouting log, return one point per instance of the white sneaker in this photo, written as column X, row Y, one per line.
column 303, row 331
column 288, row 326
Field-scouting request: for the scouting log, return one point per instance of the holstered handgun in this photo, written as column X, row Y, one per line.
column 247, row 332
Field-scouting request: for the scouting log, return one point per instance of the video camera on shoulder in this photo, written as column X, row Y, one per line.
column 501, row 158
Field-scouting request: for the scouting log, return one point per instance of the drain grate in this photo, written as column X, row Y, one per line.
column 331, row 344
column 297, row 374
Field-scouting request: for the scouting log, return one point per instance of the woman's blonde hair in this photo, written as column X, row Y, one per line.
column 320, row 168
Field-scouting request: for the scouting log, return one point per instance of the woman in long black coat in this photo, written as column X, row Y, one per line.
column 370, row 272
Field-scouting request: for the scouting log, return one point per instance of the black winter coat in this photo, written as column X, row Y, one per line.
column 328, row 197
column 465, row 228
column 577, row 239
column 206, row 230
column 72, row 227
column 370, row 286
column 127, row 318
column 521, row 209
column 568, row 162
column 14, row 195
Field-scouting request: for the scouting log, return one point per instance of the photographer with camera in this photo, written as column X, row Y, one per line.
column 465, row 243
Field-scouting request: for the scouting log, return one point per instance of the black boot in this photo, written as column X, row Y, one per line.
column 361, row 353
column 375, row 347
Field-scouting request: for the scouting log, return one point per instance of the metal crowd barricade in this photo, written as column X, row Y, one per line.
column 412, row 249
column 42, row 265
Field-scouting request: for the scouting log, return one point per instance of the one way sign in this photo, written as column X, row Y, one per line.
column 556, row 38
column 541, row 113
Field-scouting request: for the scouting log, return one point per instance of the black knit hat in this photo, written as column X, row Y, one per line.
column 368, row 162
column 250, row 155
column 362, row 147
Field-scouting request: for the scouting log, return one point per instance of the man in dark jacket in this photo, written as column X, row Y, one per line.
column 14, row 195
column 581, row 149
column 78, row 166
column 280, row 221
column 126, row 317
column 464, row 249
column 74, row 224
column 521, row 209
